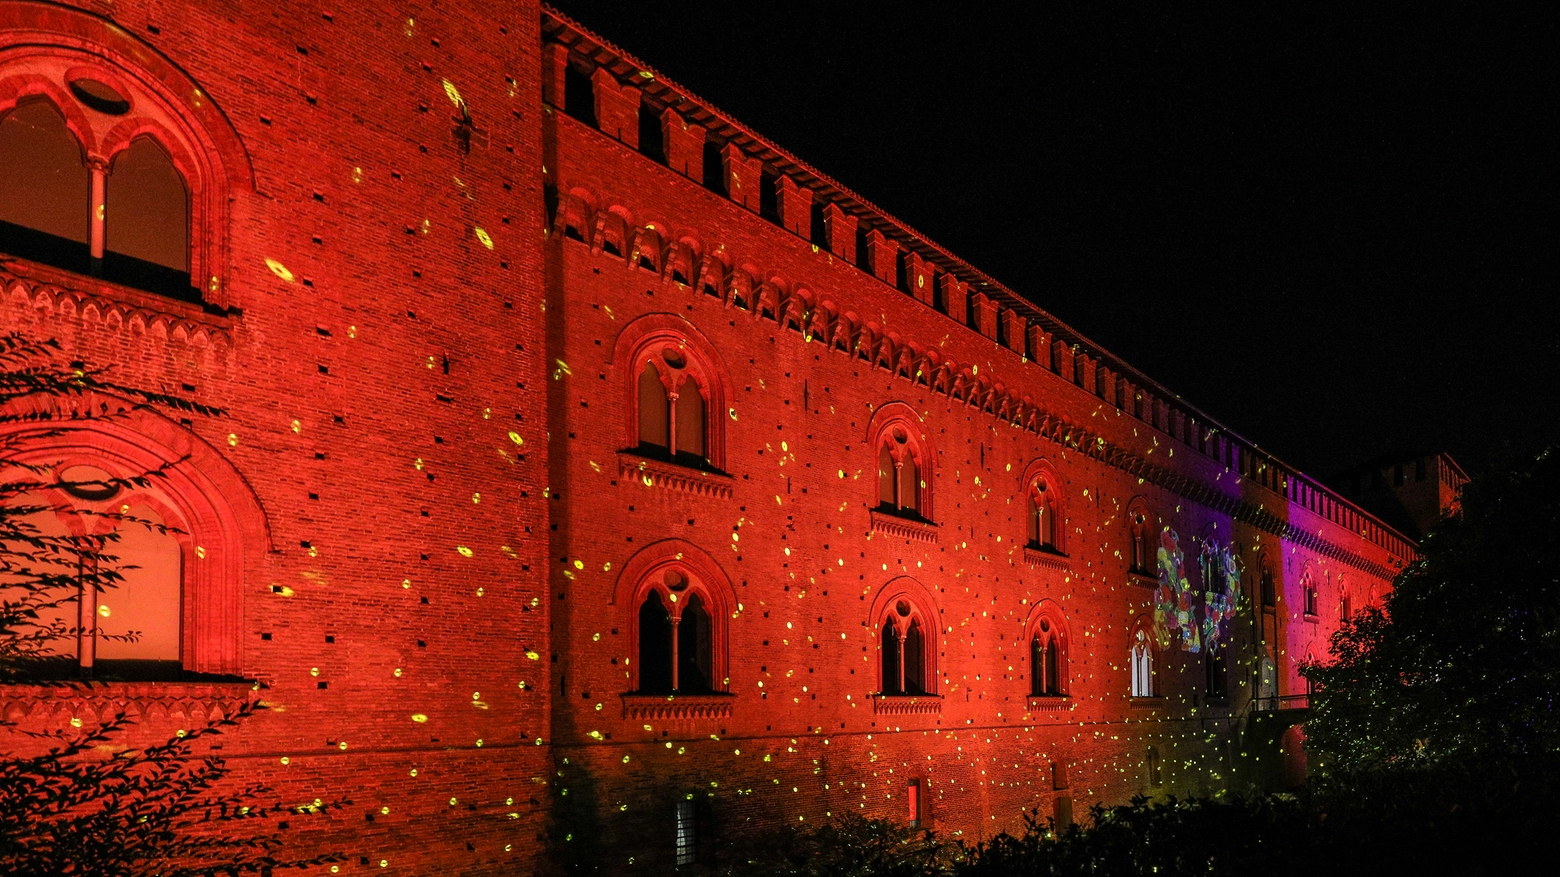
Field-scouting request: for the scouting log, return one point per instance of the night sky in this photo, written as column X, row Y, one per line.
column 1333, row 231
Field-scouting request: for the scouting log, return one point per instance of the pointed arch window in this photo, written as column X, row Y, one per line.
column 904, row 652
column 1268, row 586
column 677, row 400
column 1308, row 589
column 1044, row 512
column 1142, row 663
column 1138, row 554
column 676, row 637
column 902, row 484
column 1048, row 670
column 1045, row 659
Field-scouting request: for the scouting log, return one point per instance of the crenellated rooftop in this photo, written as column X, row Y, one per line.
column 590, row 78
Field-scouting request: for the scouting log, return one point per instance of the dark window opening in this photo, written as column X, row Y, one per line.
column 579, row 95
column 891, row 659
column 651, row 142
column 147, row 218
column 1215, row 672
column 863, row 252
column 769, row 197
column 1045, row 662
column 818, row 233
column 1269, row 590
column 693, row 648
column 655, row 646
column 714, row 168
column 45, row 189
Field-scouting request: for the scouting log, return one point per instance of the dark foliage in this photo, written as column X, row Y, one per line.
column 1465, row 659
column 78, row 801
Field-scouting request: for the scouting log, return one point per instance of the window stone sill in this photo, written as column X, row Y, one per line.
column 1047, row 559
column 672, row 476
column 1152, row 702
column 1142, row 579
column 93, row 701
column 675, row 707
column 1050, row 703
column 906, row 704
column 68, row 295
column 903, row 528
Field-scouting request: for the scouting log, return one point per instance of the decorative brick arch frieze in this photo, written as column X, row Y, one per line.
column 647, row 572
column 223, row 533
column 647, row 338
column 43, row 46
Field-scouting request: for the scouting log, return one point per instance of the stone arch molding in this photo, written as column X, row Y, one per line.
column 43, row 46
column 645, row 572
column 222, row 530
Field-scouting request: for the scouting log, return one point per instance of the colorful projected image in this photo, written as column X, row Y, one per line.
column 1174, row 614
column 1221, row 594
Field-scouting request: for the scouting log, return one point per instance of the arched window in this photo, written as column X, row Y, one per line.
column 676, row 638
column 906, row 621
column 1268, row 586
column 1142, row 663
column 112, row 161
column 1138, row 554
column 1047, row 635
column 677, row 396
column 902, row 483
column 175, row 605
column 904, row 669
column 1045, row 658
column 1044, row 509
column 148, row 219
column 45, row 188
column 1308, row 588
column 679, row 603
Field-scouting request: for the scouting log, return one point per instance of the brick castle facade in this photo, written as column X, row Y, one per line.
column 598, row 484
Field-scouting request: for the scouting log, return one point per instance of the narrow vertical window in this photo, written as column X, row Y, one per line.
column 1154, row 778
column 914, row 660
column 145, row 603
column 909, row 488
column 913, row 803
column 693, row 648
column 690, row 422
column 654, row 410
column 45, row 188
column 888, row 478
column 655, row 646
column 1269, row 590
column 686, row 833
column 1142, row 666
column 1045, row 661
column 893, row 682
column 147, row 219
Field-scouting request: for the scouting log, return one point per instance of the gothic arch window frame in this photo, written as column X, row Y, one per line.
column 1310, row 592
column 224, row 529
column 646, row 574
column 891, row 423
column 1141, row 646
column 1268, row 594
column 1047, row 624
column 1141, row 557
column 647, row 340
column 1040, row 501
column 43, row 47
column 888, row 610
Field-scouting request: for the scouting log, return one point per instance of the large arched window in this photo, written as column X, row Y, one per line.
column 903, row 651
column 1309, row 592
column 184, row 540
column 45, row 189
column 112, row 161
column 907, row 635
column 680, row 604
column 1268, row 587
column 1046, row 633
column 1142, row 662
column 677, row 393
column 903, row 487
column 1139, row 553
column 1044, row 510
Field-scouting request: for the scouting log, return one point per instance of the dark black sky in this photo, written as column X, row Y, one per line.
column 1334, row 230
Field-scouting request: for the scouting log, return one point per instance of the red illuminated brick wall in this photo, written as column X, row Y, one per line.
column 422, row 340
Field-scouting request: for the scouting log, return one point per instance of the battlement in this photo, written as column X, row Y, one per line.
column 588, row 78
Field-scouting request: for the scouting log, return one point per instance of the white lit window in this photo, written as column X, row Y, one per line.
column 685, row 833
column 1142, row 666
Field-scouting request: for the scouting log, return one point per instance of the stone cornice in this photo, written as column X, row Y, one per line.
column 902, row 528
column 677, row 707
column 658, row 473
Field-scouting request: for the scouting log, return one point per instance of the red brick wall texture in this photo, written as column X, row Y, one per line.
column 434, row 295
